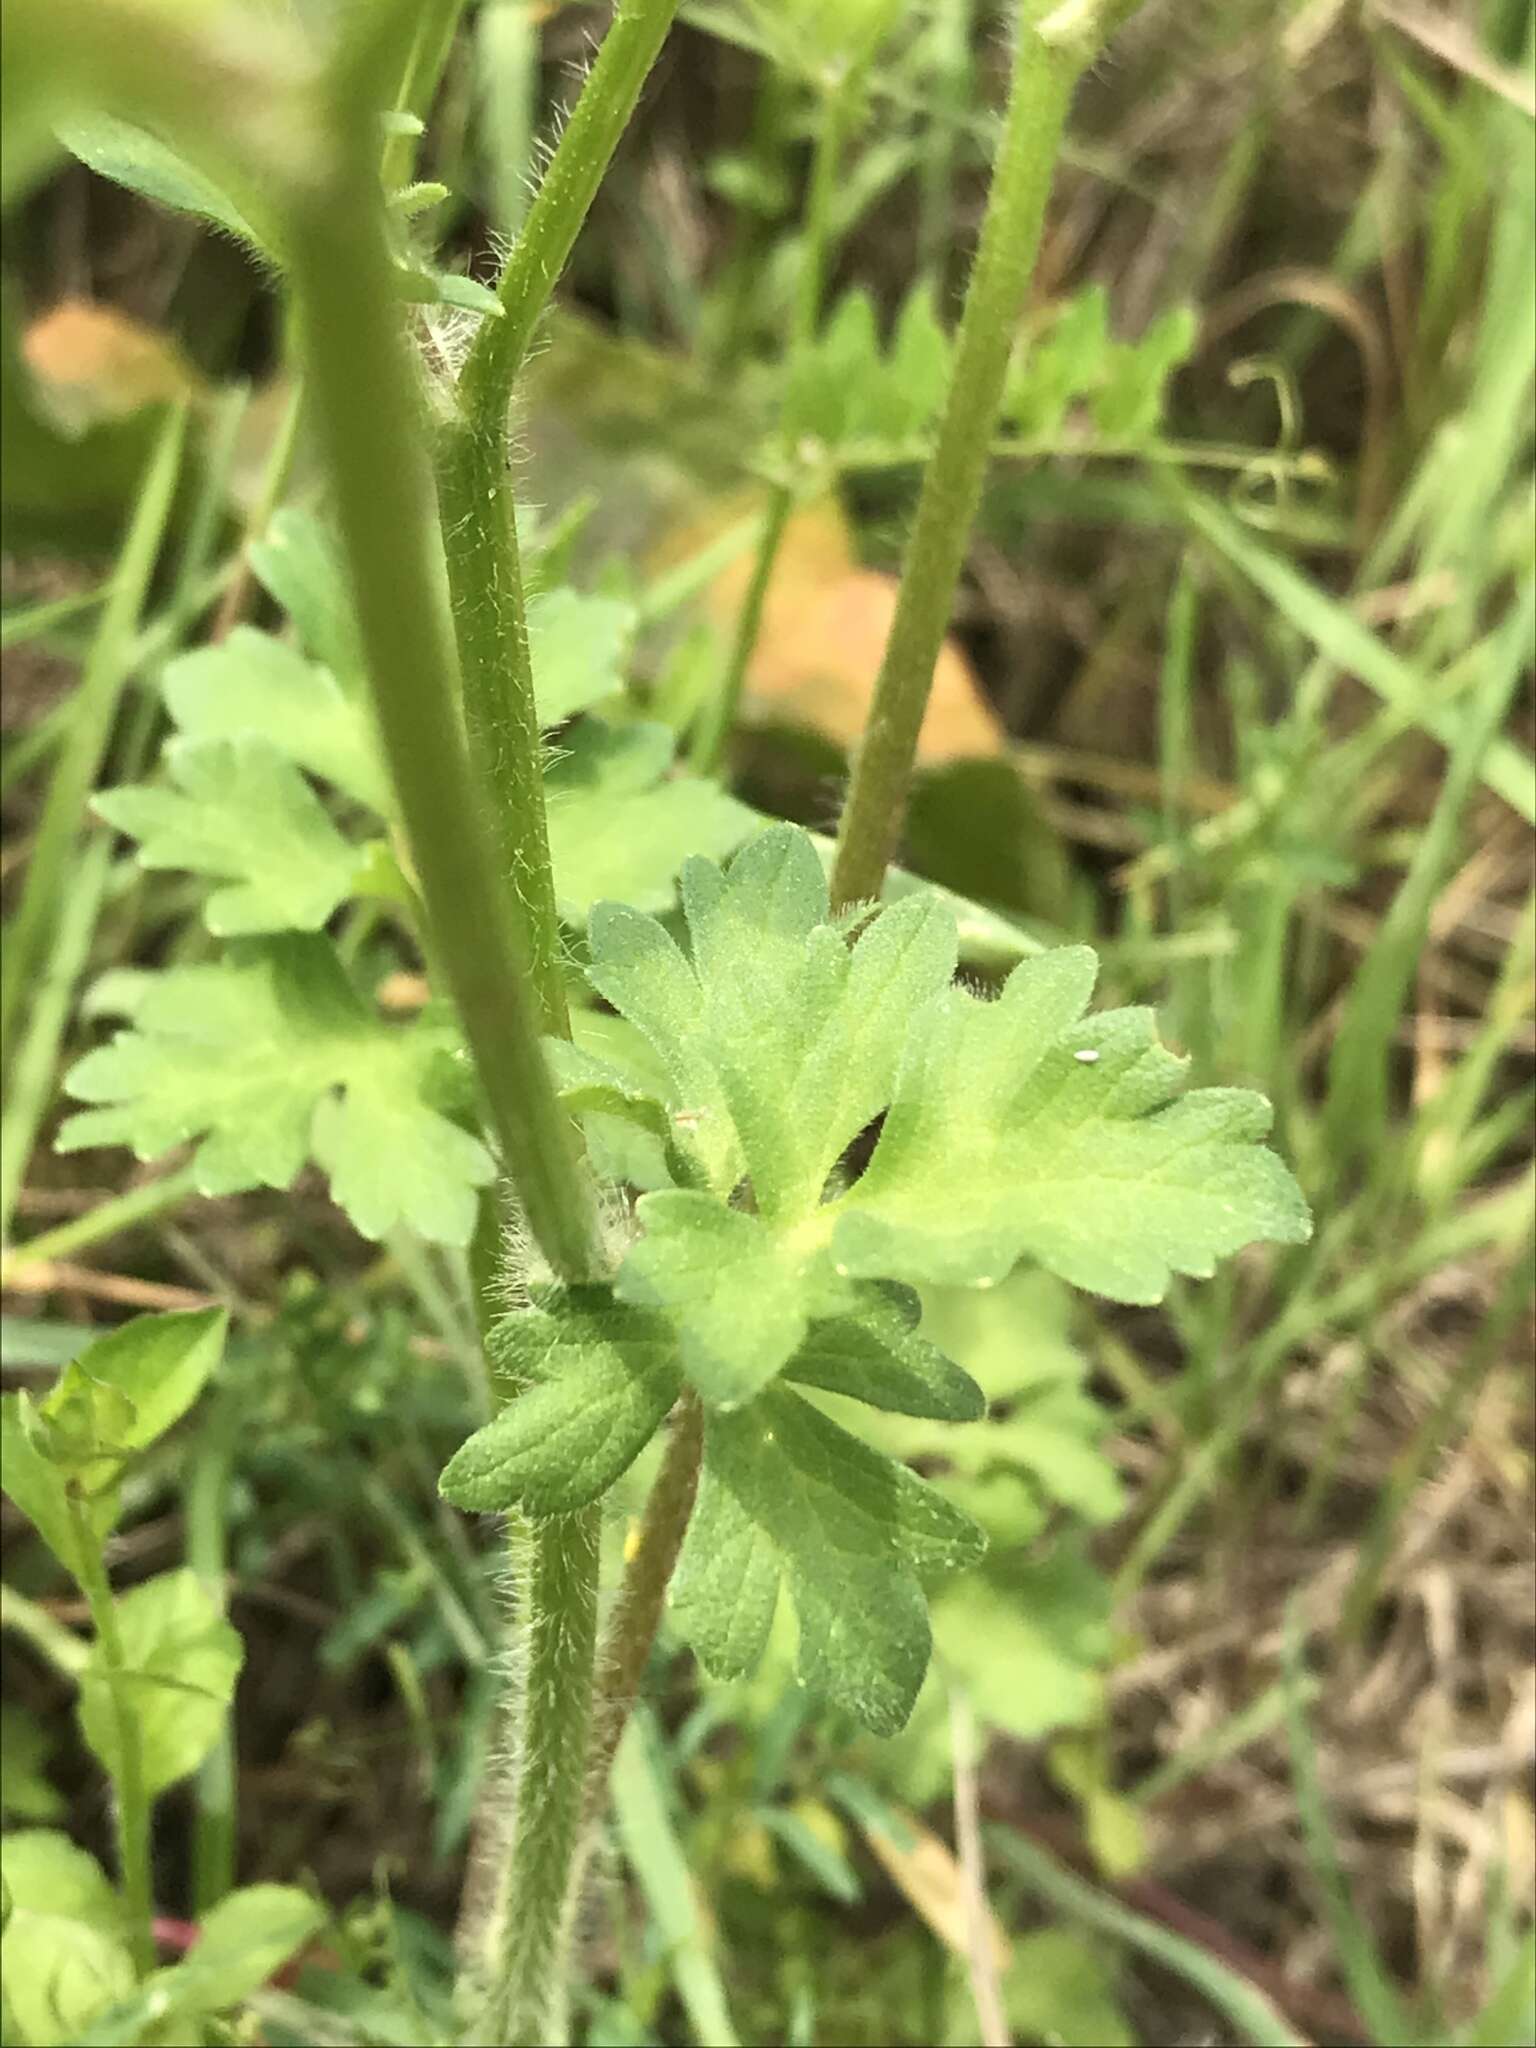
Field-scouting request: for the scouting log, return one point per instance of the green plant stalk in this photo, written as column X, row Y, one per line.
column 205, row 1510
column 131, row 1803
column 107, row 1219
column 475, row 499
column 524, row 1997
column 1253, row 2015
column 366, row 403
column 719, row 717
column 1046, row 68
column 32, row 1080
column 496, row 673
column 360, row 377
column 92, row 713
column 637, row 1610
column 565, row 196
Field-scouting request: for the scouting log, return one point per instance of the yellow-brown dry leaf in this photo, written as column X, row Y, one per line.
column 927, row 1871
column 92, row 364
column 825, row 625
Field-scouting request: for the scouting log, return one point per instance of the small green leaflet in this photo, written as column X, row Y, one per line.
column 591, row 1376
column 788, row 1495
column 182, row 1659
column 618, row 817
column 847, row 387
column 596, row 1380
column 241, row 813
column 131, row 156
column 271, row 1058
column 1020, row 1128
column 301, row 568
column 253, row 684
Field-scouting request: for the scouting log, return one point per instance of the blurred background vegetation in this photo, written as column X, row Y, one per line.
column 1238, row 691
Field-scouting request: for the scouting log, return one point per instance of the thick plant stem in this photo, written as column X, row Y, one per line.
column 129, row 1799
column 637, row 1611
column 719, row 717
column 479, row 530
column 524, row 1998
column 1045, row 70
column 367, row 406
column 496, row 676
column 361, row 380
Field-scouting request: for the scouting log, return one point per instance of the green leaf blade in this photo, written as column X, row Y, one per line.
column 596, row 1381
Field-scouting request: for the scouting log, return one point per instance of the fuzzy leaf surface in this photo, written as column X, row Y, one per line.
column 254, row 684
column 1004, row 1141
column 788, row 1495
column 596, row 1379
column 271, row 1058
column 240, row 813
column 740, row 1298
column 620, row 821
column 875, row 1354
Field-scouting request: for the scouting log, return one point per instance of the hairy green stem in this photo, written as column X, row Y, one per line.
column 1045, row 71
column 636, row 1613
column 475, row 499
column 129, row 1798
column 524, row 2000
column 92, row 712
column 496, row 677
column 368, row 413
column 719, row 717
column 565, row 196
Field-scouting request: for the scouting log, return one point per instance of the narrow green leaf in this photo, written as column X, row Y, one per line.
column 131, row 156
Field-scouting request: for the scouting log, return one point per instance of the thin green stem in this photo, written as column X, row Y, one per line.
column 496, row 673
column 205, row 1508
column 475, row 499
column 719, row 718
column 591, row 136
column 127, row 1773
column 636, row 1613
column 92, row 713
column 361, row 378
column 1040, row 94
column 106, row 1220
